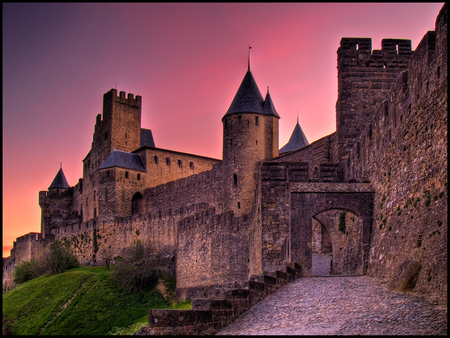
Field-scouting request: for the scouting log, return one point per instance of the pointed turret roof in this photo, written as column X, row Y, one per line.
column 59, row 181
column 248, row 98
column 269, row 108
column 298, row 140
column 123, row 159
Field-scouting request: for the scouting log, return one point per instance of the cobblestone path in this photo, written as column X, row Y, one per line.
column 356, row 305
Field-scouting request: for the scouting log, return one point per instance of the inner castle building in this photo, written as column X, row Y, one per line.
column 374, row 192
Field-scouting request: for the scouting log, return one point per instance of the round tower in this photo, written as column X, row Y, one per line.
column 250, row 135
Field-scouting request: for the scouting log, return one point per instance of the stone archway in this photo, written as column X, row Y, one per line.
column 137, row 204
column 345, row 229
column 326, row 208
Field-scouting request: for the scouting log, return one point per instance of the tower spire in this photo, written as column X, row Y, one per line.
column 249, row 47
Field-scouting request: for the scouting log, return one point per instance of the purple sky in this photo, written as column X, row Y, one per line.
column 185, row 60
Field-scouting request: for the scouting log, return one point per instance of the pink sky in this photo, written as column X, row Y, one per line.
column 185, row 60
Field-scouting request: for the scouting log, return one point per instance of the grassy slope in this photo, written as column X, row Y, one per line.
column 96, row 306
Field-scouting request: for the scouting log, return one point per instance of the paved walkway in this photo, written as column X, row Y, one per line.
column 357, row 305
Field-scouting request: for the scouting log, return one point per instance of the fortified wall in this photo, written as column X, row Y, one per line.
column 376, row 189
column 403, row 153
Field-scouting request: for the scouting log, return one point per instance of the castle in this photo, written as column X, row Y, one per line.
column 374, row 192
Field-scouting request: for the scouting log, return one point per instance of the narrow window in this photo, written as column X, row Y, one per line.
column 168, row 161
column 256, row 142
column 231, row 142
column 234, row 160
column 138, row 177
column 126, row 174
column 234, row 179
column 438, row 71
column 240, row 120
column 106, row 135
column 256, row 121
column 396, row 48
column 385, row 65
column 125, row 135
column 94, row 195
column 180, row 164
column 107, row 173
column 156, row 159
column 357, row 46
column 95, row 212
column 239, row 205
column 191, row 165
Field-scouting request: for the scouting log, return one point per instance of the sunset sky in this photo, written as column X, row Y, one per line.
column 185, row 60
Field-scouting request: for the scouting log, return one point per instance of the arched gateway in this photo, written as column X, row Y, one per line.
column 347, row 216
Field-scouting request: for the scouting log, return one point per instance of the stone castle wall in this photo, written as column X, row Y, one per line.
column 403, row 152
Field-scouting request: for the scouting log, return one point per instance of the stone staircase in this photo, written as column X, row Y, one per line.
column 208, row 315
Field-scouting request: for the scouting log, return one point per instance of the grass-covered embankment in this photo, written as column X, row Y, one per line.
column 81, row 301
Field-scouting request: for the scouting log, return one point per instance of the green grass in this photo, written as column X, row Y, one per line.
column 97, row 306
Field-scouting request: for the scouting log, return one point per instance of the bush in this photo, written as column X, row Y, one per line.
column 53, row 260
column 61, row 259
column 23, row 272
column 136, row 271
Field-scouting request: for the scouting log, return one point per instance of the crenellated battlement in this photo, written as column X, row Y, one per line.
column 123, row 98
column 357, row 52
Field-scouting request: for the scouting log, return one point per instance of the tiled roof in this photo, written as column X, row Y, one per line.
column 123, row 159
column 59, row 181
column 147, row 138
column 298, row 140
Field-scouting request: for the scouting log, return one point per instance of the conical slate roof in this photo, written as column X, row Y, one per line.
column 59, row 181
column 298, row 140
column 123, row 159
column 269, row 108
column 248, row 98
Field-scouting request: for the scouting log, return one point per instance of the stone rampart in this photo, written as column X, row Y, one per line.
column 403, row 153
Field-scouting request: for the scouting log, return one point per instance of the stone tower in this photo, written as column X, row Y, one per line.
column 250, row 135
column 364, row 80
column 56, row 205
column 118, row 129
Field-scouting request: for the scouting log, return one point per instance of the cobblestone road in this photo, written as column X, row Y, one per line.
column 357, row 305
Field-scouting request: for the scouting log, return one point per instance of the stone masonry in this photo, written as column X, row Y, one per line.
column 373, row 194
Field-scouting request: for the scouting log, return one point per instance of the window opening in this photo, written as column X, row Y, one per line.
column 234, row 179
column 240, row 120
column 126, row 174
column 191, row 165
column 396, row 48
column 239, row 205
column 156, row 159
column 106, row 135
column 357, row 46
column 138, row 177
column 256, row 121
column 180, row 164
column 168, row 161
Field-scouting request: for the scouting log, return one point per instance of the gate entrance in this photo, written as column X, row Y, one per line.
column 336, row 224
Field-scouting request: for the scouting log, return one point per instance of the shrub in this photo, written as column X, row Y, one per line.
column 61, row 259
column 23, row 271
column 136, row 271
